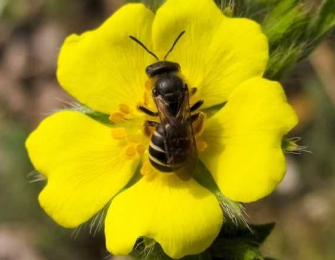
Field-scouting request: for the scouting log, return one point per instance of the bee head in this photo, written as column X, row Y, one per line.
column 162, row 67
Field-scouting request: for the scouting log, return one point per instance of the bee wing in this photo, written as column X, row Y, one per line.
column 186, row 172
column 175, row 127
column 166, row 120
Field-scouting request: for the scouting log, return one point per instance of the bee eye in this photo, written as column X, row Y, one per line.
column 148, row 70
column 155, row 92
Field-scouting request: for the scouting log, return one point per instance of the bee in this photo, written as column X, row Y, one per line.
column 172, row 146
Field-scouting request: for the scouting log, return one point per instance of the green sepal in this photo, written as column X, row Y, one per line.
column 232, row 8
column 153, row 5
column 98, row 116
column 234, row 211
column 290, row 145
column 254, row 234
column 213, row 110
column 236, row 243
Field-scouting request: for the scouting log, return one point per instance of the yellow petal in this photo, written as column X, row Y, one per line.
column 104, row 68
column 83, row 165
column 183, row 217
column 244, row 140
column 216, row 53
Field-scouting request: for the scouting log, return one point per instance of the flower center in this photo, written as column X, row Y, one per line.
column 139, row 133
column 124, row 113
column 131, row 141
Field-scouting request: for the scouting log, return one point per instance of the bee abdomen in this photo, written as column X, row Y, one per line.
column 157, row 155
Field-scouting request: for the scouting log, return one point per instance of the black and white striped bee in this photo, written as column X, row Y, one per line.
column 172, row 147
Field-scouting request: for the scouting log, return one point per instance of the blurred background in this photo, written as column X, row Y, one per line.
column 31, row 33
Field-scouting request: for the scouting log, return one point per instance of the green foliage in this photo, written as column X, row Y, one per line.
column 294, row 27
column 283, row 20
column 325, row 20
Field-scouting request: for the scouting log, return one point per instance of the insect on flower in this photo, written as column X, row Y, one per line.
column 172, row 147
column 141, row 163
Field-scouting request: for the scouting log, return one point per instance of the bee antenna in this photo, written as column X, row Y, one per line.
column 174, row 44
column 144, row 47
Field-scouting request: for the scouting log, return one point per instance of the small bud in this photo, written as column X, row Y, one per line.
column 228, row 11
column 291, row 146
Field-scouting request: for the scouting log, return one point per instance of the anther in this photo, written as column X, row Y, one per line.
column 132, row 138
column 116, row 117
column 119, row 133
column 130, row 151
column 201, row 146
column 140, row 149
column 146, row 169
column 148, row 85
column 199, row 124
column 124, row 109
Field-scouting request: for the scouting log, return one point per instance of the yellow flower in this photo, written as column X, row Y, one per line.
column 89, row 164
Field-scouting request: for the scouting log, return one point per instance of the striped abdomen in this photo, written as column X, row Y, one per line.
column 168, row 154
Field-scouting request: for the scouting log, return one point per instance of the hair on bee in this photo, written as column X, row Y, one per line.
column 153, row 54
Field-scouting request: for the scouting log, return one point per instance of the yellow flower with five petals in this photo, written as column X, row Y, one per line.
column 88, row 164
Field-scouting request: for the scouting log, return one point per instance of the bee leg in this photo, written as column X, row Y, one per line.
column 197, row 117
column 147, row 111
column 197, row 122
column 193, row 91
column 196, row 105
column 151, row 123
column 149, row 127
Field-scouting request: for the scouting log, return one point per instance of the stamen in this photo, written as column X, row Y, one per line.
column 201, row 146
column 116, row 117
column 119, row 133
column 140, row 148
column 199, row 125
column 132, row 138
column 146, row 169
column 125, row 109
column 148, row 85
column 130, row 151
